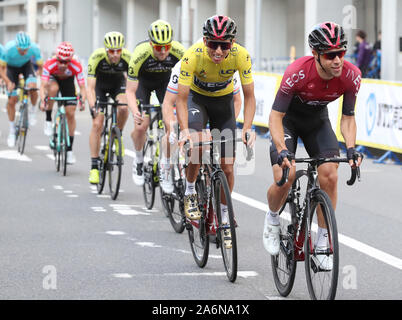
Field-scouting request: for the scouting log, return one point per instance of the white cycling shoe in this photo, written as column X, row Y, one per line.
column 138, row 174
column 271, row 237
column 70, row 157
column 48, row 129
column 11, row 140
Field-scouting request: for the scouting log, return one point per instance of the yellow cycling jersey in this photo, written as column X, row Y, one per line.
column 214, row 80
column 99, row 64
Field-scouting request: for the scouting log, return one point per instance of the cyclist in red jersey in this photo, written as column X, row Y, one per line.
column 58, row 75
column 300, row 110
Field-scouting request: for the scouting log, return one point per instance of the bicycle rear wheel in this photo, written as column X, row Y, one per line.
column 176, row 212
column 149, row 181
column 22, row 130
column 114, row 163
column 103, row 161
column 197, row 231
column 321, row 263
column 284, row 264
column 226, row 233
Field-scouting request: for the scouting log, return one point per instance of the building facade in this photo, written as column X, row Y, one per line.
column 272, row 30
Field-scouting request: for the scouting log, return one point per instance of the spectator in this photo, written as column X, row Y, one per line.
column 364, row 53
column 375, row 65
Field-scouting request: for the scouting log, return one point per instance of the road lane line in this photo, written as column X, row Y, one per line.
column 350, row 242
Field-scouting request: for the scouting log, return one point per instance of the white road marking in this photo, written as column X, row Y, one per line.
column 72, row 195
column 115, row 233
column 58, row 187
column 148, row 245
column 243, row 274
column 68, row 191
column 350, row 242
column 42, row 148
column 122, row 275
column 14, row 155
column 50, row 156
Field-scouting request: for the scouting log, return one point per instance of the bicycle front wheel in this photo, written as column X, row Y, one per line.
column 226, row 229
column 321, row 255
column 114, row 163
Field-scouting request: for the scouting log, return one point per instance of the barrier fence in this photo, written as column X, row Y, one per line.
column 378, row 113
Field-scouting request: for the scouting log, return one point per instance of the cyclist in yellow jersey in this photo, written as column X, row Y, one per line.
column 205, row 93
column 150, row 69
column 107, row 69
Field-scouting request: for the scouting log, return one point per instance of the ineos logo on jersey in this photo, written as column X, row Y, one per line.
column 295, row 78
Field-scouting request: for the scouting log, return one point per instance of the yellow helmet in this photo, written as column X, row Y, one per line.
column 160, row 32
column 114, row 40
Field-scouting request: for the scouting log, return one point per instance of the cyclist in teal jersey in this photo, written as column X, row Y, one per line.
column 17, row 58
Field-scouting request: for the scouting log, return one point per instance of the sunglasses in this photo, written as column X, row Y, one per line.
column 63, row 61
column 114, row 51
column 159, row 47
column 332, row 55
column 214, row 45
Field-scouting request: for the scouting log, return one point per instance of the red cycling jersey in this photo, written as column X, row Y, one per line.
column 302, row 90
column 74, row 68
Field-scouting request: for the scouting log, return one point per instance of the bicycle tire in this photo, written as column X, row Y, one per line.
column 312, row 270
column 197, row 233
column 103, row 161
column 56, row 147
column 63, row 143
column 229, row 254
column 284, row 264
column 114, row 163
column 176, row 212
column 149, row 181
column 23, row 129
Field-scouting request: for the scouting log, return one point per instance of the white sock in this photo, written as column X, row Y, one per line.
column 322, row 237
column 12, row 126
column 224, row 213
column 272, row 218
column 139, row 157
column 190, row 188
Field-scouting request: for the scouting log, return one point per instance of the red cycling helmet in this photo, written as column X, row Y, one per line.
column 65, row 51
column 219, row 28
column 327, row 36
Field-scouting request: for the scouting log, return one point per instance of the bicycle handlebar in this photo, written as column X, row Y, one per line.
column 355, row 172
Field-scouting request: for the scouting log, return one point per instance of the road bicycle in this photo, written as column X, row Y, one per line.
column 211, row 186
column 111, row 155
column 21, row 120
column 60, row 139
column 152, row 154
column 298, row 236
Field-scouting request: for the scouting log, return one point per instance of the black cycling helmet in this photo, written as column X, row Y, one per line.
column 219, row 28
column 327, row 36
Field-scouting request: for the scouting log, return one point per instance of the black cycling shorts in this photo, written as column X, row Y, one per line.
column 27, row 70
column 219, row 111
column 66, row 88
column 316, row 133
column 145, row 88
column 113, row 86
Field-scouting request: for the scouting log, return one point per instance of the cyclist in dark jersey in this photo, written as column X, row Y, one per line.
column 149, row 69
column 300, row 110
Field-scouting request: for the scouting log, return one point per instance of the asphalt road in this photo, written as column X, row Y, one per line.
column 59, row 239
